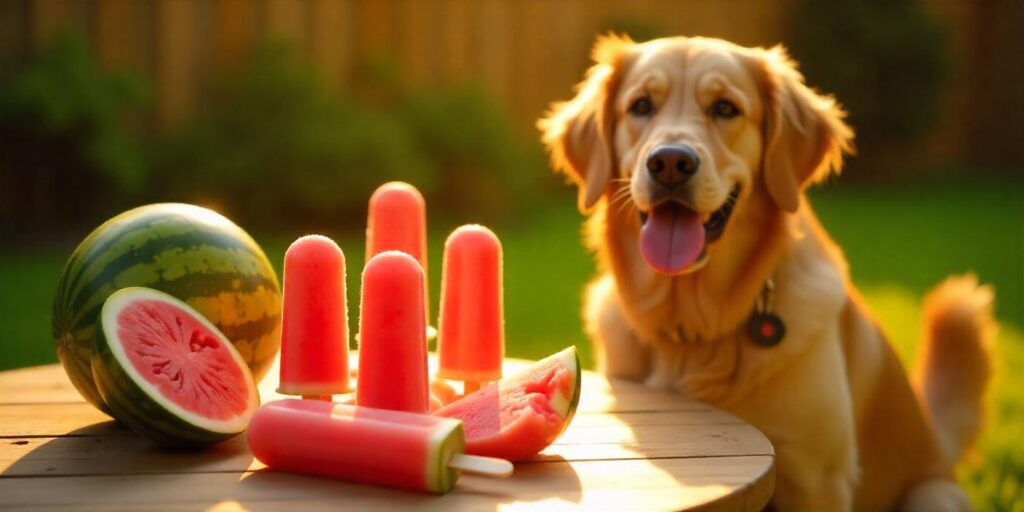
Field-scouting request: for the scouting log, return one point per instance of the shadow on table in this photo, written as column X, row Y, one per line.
column 532, row 482
column 105, row 465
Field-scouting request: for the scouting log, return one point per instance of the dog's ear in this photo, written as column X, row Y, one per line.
column 578, row 133
column 805, row 135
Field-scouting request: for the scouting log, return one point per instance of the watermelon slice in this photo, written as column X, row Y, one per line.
column 166, row 372
column 519, row 416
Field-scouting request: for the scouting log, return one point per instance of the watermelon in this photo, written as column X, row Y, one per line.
column 166, row 372
column 519, row 416
column 192, row 253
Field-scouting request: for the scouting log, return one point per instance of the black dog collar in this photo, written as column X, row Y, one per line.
column 765, row 327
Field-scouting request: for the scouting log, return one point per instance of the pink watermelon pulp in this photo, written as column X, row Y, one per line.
column 519, row 416
column 182, row 358
column 168, row 373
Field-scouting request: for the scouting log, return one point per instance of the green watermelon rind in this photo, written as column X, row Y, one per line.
column 441, row 477
column 575, row 402
column 565, row 406
column 139, row 248
column 137, row 404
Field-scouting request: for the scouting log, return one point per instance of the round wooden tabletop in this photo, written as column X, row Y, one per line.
column 628, row 448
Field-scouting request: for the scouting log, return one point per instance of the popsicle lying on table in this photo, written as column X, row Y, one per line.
column 360, row 444
column 314, row 332
column 471, row 341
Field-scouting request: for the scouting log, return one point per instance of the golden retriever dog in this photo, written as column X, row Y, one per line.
column 716, row 279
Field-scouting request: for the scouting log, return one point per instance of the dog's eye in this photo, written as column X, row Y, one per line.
column 725, row 109
column 641, row 107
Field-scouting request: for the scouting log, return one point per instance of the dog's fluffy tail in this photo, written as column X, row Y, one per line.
column 954, row 367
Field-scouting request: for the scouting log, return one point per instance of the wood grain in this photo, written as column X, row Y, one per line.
column 627, row 447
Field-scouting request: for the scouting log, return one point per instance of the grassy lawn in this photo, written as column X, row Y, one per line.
column 900, row 242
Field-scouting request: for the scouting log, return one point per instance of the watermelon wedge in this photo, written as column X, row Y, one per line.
column 166, row 372
column 519, row 416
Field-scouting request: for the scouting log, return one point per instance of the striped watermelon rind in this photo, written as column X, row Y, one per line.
column 140, row 406
column 189, row 252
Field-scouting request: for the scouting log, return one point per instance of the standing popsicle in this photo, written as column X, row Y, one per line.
column 471, row 341
column 314, row 331
column 397, row 221
column 393, row 340
column 413, row 451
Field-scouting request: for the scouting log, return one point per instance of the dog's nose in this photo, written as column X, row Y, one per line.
column 672, row 164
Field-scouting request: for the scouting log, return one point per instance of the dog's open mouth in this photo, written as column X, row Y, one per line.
column 674, row 238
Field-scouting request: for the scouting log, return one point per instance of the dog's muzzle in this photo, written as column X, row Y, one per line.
column 673, row 239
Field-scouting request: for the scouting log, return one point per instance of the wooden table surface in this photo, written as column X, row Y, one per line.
column 628, row 448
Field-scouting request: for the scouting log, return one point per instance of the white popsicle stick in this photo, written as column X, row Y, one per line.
column 487, row 466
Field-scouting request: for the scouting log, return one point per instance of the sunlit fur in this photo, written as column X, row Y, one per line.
column 848, row 429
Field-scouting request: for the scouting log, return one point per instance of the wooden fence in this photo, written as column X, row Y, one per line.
column 526, row 53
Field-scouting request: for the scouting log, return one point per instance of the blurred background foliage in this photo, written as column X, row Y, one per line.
column 267, row 131
column 270, row 144
column 65, row 148
column 889, row 64
column 285, row 114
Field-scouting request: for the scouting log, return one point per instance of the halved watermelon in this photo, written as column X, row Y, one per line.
column 166, row 372
column 519, row 416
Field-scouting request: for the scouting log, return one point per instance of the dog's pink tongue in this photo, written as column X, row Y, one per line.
column 672, row 238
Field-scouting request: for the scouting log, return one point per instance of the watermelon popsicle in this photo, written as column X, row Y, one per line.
column 471, row 342
column 359, row 444
column 397, row 221
column 393, row 339
column 314, row 331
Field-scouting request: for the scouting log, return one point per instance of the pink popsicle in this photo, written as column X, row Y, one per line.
column 359, row 444
column 471, row 342
column 392, row 335
column 314, row 332
column 397, row 221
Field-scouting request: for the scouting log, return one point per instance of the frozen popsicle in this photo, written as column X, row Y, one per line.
column 314, row 331
column 393, row 340
column 359, row 444
column 471, row 341
column 397, row 221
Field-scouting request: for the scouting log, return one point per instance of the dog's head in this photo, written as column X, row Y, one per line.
column 687, row 130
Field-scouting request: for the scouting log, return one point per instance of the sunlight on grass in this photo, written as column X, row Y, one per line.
column 994, row 472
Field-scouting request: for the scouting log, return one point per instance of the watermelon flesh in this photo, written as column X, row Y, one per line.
column 183, row 359
column 166, row 372
column 519, row 416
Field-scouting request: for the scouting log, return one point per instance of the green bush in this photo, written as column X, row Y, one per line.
column 269, row 145
column 66, row 149
column 885, row 60
column 273, row 145
column 481, row 164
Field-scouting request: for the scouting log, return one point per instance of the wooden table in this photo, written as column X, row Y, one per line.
column 628, row 448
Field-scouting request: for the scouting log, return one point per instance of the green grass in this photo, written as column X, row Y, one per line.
column 899, row 241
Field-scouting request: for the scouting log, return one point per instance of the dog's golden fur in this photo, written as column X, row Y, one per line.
column 848, row 428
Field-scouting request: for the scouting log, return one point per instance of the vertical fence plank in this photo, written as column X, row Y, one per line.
column 117, row 34
column 49, row 16
column 417, row 48
column 234, row 30
column 286, row 21
column 15, row 34
column 494, row 41
column 331, row 42
column 374, row 26
column 457, row 41
column 175, row 69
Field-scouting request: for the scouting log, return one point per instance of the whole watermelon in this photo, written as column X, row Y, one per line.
column 191, row 253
